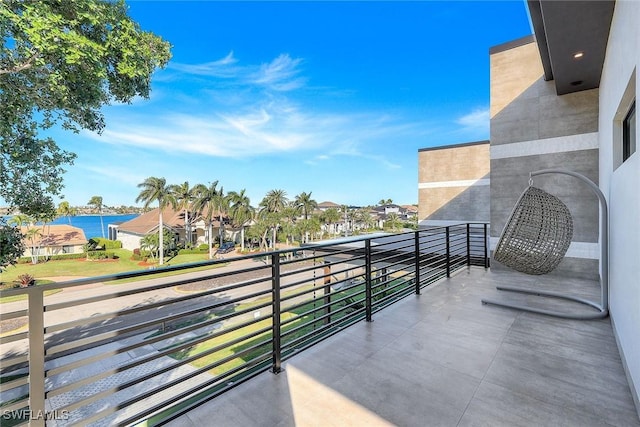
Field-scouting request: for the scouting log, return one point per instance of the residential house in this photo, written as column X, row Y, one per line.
column 53, row 240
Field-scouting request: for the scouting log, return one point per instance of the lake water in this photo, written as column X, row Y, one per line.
column 91, row 223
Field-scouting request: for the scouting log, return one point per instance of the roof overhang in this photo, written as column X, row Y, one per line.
column 563, row 30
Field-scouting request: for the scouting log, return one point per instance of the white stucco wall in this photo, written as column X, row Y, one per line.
column 129, row 241
column 621, row 185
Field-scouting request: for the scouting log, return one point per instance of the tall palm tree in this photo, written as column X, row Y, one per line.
column 156, row 190
column 20, row 220
column 64, row 209
column 332, row 216
column 184, row 196
column 96, row 202
column 306, row 203
column 271, row 205
column 205, row 203
column 241, row 211
column 222, row 204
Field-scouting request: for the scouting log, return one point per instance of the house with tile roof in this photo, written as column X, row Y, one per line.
column 53, row 240
column 130, row 232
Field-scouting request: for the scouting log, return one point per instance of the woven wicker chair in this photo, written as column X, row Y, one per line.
column 537, row 234
column 536, row 238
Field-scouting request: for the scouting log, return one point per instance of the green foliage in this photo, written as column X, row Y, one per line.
column 11, row 245
column 203, row 247
column 98, row 255
column 107, row 244
column 60, row 62
column 25, row 280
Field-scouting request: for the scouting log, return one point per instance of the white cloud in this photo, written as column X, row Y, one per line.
column 476, row 120
column 223, row 68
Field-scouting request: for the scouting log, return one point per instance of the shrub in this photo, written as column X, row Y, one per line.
column 136, row 256
column 203, row 247
column 136, row 251
column 190, row 251
column 107, row 244
column 98, row 255
column 25, row 280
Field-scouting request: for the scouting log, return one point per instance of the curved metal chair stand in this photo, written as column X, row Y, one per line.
column 602, row 307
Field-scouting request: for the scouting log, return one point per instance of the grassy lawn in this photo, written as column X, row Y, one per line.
column 230, row 351
column 84, row 268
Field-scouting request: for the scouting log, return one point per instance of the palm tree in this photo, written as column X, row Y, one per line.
column 307, row 205
column 222, row 204
column 332, row 216
column 156, row 189
column 20, row 220
column 96, row 202
column 392, row 221
column 205, row 203
column 241, row 211
column 64, row 209
column 272, row 204
column 184, row 196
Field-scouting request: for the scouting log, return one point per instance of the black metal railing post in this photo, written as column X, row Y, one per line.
column 367, row 281
column 277, row 344
column 468, row 245
column 448, row 252
column 417, row 257
column 486, row 247
column 327, row 293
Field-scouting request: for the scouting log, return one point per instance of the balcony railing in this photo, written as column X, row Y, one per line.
column 120, row 352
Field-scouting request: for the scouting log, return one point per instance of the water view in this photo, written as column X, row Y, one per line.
column 90, row 224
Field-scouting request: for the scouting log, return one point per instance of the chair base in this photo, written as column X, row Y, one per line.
column 601, row 314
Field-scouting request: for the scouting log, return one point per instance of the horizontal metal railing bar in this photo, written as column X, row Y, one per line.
column 169, row 284
column 95, row 397
column 316, row 309
column 201, row 389
column 176, row 381
column 186, row 404
column 119, row 276
column 15, row 406
column 12, row 361
column 319, row 309
column 18, row 382
column 324, row 328
column 405, row 256
column 164, row 352
column 301, row 270
column 13, row 314
column 150, row 306
column 403, row 261
column 95, row 358
column 107, row 335
column 332, row 273
column 97, row 339
column 14, row 337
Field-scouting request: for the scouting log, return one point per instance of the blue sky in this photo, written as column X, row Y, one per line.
column 333, row 98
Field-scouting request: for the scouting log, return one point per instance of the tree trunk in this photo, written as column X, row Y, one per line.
column 160, row 237
column 242, row 238
column 209, row 233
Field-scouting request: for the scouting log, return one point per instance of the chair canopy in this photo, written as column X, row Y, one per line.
column 537, row 234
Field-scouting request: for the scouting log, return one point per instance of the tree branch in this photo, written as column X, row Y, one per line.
column 26, row 65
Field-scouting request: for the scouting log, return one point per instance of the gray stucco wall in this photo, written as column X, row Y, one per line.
column 532, row 128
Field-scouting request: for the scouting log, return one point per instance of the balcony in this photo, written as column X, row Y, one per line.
column 198, row 347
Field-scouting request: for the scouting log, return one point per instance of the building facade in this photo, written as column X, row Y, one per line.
column 565, row 99
column 453, row 184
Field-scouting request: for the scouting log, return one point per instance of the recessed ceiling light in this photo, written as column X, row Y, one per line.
column 578, row 55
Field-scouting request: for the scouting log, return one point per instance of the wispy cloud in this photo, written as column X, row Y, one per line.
column 282, row 74
column 223, row 68
column 476, row 120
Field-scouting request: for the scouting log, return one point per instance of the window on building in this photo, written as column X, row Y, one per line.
column 67, row 249
column 629, row 133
